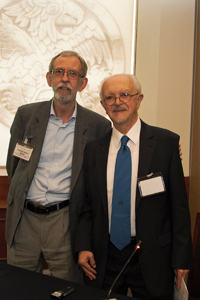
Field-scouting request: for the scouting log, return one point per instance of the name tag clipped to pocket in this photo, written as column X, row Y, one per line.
column 151, row 184
column 23, row 150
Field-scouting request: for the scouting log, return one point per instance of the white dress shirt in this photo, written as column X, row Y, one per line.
column 115, row 144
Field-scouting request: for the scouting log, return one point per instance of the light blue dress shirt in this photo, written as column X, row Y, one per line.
column 52, row 179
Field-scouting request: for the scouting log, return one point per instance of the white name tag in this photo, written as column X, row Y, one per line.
column 151, row 184
column 23, row 150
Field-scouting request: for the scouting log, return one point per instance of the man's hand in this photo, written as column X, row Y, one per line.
column 179, row 275
column 87, row 262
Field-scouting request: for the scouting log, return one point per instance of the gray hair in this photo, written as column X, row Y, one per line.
column 135, row 82
column 70, row 53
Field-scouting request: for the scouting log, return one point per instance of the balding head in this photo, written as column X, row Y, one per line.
column 133, row 78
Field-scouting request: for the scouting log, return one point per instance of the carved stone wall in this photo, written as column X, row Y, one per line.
column 33, row 31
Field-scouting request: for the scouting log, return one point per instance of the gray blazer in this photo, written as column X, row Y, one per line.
column 31, row 121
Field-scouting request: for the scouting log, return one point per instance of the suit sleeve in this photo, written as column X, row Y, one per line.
column 182, row 242
column 16, row 134
column 83, row 239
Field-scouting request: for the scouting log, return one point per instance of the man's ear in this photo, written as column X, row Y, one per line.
column 103, row 104
column 48, row 77
column 83, row 84
column 140, row 98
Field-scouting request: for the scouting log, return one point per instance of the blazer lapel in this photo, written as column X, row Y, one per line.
column 80, row 141
column 37, row 133
column 101, row 161
column 147, row 147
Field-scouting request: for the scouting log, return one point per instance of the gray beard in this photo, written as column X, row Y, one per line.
column 63, row 99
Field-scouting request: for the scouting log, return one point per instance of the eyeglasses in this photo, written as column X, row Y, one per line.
column 124, row 97
column 71, row 74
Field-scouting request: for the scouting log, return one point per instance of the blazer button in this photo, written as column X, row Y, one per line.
column 21, row 211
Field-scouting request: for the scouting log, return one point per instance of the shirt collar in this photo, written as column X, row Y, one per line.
column 133, row 134
column 52, row 112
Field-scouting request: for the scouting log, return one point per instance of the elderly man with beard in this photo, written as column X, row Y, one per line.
column 44, row 166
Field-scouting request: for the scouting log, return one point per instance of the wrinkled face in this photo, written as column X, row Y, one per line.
column 65, row 89
column 123, row 115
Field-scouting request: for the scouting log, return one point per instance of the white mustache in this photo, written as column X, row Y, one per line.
column 61, row 85
column 119, row 107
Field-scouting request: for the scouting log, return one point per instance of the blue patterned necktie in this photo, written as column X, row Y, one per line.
column 120, row 233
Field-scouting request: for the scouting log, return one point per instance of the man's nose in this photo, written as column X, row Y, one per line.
column 65, row 77
column 118, row 101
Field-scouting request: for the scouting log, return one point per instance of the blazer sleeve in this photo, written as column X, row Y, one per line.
column 83, row 237
column 16, row 134
column 181, row 225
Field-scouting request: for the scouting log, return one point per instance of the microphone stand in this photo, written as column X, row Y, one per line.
column 137, row 247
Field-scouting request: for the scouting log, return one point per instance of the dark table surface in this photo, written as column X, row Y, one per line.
column 20, row 284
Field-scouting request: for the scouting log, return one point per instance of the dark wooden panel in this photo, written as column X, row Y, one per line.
column 3, row 251
column 187, row 181
column 194, row 275
column 4, row 187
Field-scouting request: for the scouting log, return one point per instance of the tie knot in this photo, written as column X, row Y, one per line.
column 124, row 140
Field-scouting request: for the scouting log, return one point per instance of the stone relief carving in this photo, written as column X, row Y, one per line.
column 33, row 31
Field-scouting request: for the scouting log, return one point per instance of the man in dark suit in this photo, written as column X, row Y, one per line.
column 45, row 172
column 159, row 214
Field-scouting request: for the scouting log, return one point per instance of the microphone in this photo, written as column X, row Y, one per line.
column 137, row 247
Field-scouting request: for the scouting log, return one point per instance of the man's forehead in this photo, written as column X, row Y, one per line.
column 118, row 82
column 67, row 60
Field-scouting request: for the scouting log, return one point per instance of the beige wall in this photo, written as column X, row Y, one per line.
column 164, row 66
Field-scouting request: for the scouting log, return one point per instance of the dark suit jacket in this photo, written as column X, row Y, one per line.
column 162, row 220
column 31, row 121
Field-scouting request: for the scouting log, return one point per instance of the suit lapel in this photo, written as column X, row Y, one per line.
column 101, row 161
column 147, row 148
column 37, row 131
column 80, row 141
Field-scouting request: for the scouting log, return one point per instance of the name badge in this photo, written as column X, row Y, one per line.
column 151, row 184
column 23, row 150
